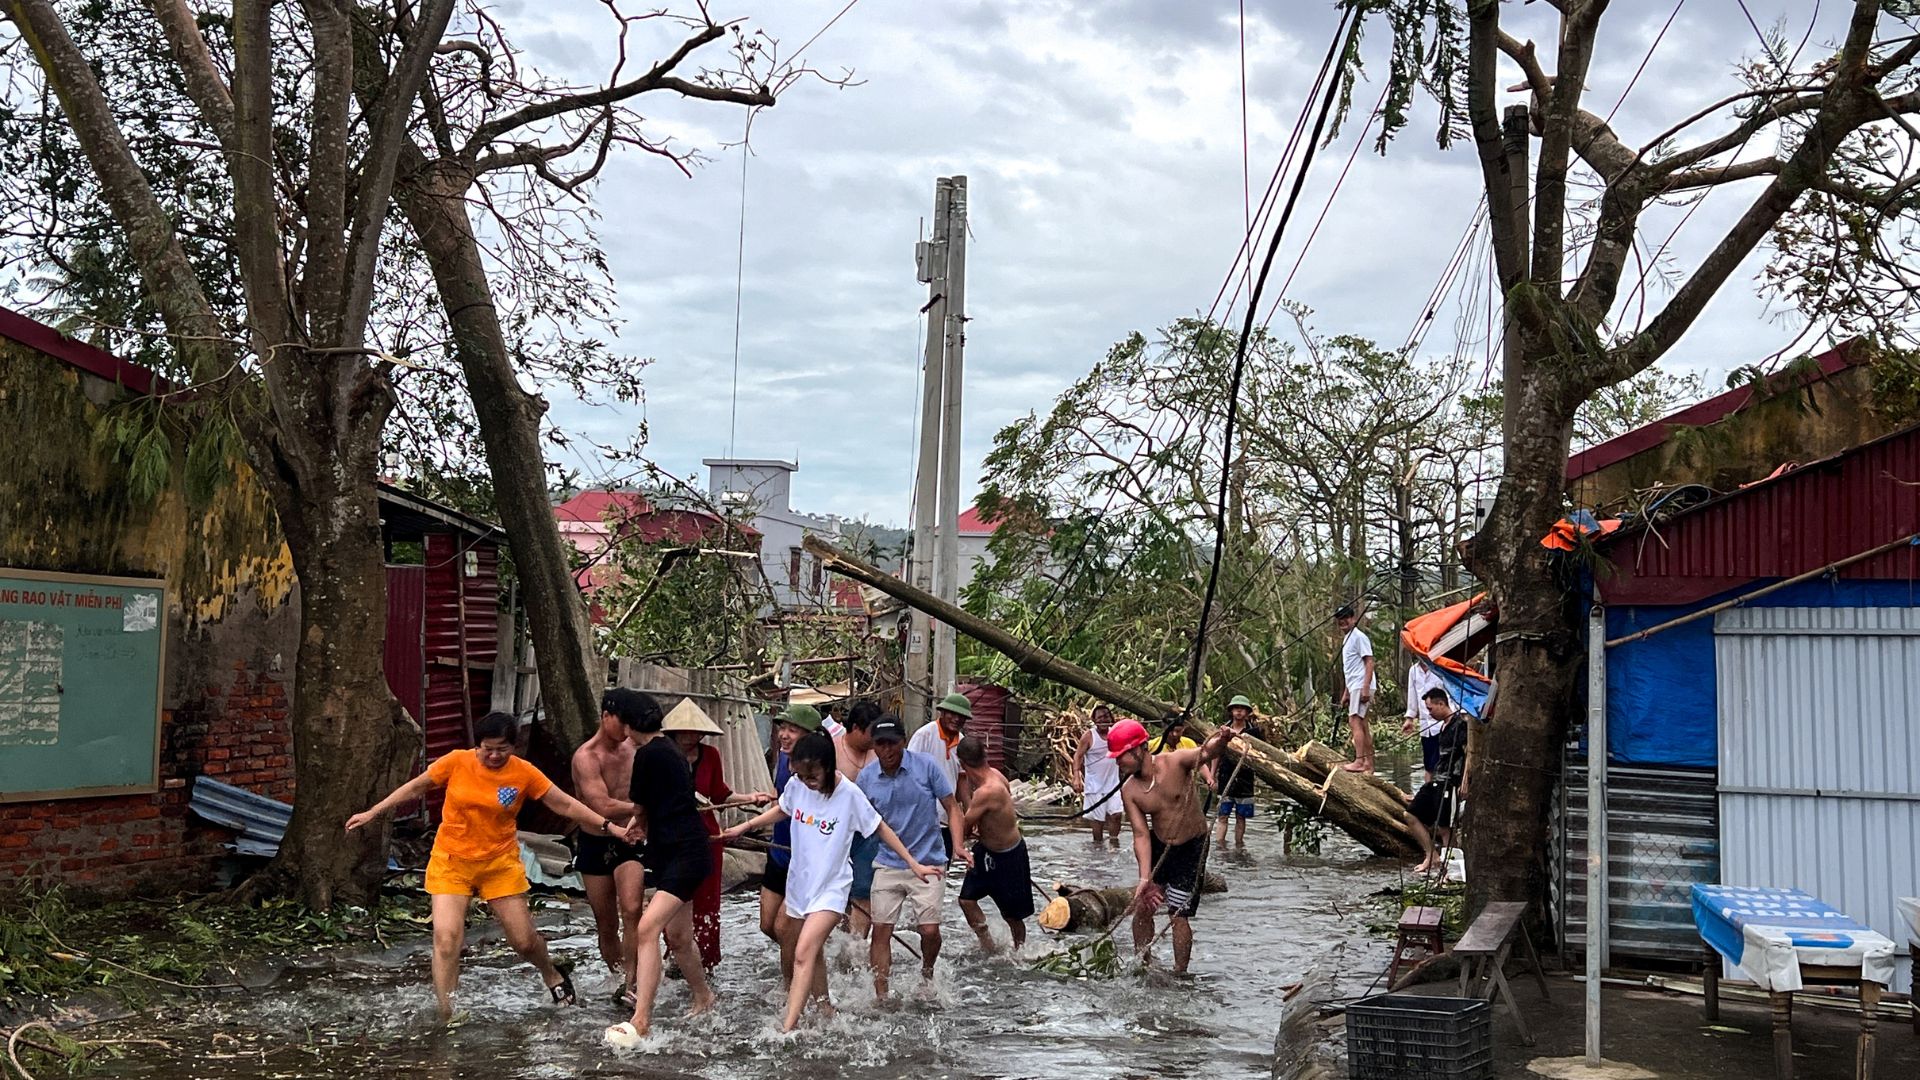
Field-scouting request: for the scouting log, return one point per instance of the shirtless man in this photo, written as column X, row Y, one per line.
column 1169, row 830
column 1000, row 868
column 610, row 868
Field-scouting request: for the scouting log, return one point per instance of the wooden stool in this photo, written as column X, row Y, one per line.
column 1420, row 936
column 1483, row 953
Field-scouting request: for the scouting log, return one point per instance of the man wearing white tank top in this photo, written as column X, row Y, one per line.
column 1097, row 778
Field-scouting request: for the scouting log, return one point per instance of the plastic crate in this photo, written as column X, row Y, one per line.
column 1410, row 1037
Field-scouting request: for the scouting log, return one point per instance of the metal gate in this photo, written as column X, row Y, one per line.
column 1661, row 839
column 1819, row 760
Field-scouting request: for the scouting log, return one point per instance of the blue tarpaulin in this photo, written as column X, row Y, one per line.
column 1663, row 706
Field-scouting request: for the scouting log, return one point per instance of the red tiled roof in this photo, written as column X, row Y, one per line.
column 972, row 524
column 1621, row 447
column 603, row 507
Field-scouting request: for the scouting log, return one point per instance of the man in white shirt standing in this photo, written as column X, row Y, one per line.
column 1356, row 691
column 1419, row 681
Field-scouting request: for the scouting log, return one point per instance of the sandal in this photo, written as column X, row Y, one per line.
column 562, row 991
column 623, row 1000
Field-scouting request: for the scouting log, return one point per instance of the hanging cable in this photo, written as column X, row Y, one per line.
column 1240, row 360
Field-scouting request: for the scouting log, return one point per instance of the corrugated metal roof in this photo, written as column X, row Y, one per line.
column 1787, row 525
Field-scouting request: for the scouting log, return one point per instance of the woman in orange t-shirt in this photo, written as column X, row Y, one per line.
column 476, row 851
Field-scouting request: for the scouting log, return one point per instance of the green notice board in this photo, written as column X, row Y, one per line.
column 80, row 667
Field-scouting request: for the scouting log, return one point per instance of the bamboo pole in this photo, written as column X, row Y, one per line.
column 1355, row 807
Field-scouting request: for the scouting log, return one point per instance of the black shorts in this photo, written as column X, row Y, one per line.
column 679, row 868
column 1177, row 872
column 1003, row 875
column 1433, row 806
column 775, row 879
column 596, row 856
column 1430, row 752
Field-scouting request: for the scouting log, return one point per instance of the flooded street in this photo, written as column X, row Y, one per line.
column 371, row 1016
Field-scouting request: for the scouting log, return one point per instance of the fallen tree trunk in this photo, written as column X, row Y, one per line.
column 1350, row 805
column 1084, row 910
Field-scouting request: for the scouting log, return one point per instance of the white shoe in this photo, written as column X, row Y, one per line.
column 624, row 1036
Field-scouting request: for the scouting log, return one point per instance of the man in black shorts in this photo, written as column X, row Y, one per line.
column 1000, row 867
column 1169, row 829
column 610, row 868
column 1432, row 808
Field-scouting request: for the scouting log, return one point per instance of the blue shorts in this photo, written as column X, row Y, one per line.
column 1241, row 807
column 864, row 849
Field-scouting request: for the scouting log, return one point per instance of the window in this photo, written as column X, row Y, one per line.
column 793, row 568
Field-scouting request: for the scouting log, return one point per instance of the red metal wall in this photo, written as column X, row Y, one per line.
column 989, row 723
column 405, row 656
column 1810, row 517
column 461, row 601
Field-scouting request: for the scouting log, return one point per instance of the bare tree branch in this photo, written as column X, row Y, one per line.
column 658, row 77
column 203, row 81
column 389, row 120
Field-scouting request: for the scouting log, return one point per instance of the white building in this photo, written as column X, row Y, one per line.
column 974, row 536
column 761, row 490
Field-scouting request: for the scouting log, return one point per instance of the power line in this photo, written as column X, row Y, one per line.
column 739, row 281
column 1239, row 364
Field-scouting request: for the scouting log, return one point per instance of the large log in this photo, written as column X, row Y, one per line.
column 1084, row 909
column 1350, row 807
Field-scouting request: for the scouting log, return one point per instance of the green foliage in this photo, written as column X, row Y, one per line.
column 1107, row 508
column 52, row 946
column 1094, row 958
column 1427, row 52
column 1302, row 832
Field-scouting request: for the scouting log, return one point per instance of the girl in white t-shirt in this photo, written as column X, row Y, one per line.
column 827, row 811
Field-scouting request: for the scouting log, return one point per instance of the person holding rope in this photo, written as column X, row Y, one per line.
column 476, row 852
column 1233, row 782
column 914, row 797
column 826, row 812
column 853, row 752
column 999, row 868
column 1169, row 829
column 1431, row 810
column 609, row 867
column 1097, row 778
column 789, row 728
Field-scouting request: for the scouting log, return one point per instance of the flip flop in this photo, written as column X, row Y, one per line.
column 623, row 1000
column 562, row 991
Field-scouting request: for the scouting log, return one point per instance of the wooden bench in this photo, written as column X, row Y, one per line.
column 1483, row 952
column 1420, row 936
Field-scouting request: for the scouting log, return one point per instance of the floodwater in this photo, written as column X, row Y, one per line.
column 371, row 1015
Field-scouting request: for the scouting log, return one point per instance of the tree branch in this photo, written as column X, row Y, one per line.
column 166, row 275
column 1483, row 111
column 203, row 81
column 657, row 77
column 388, row 125
column 1849, row 102
column 1579, row 27
column 1522, row 53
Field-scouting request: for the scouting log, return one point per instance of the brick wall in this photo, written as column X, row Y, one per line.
column 232, row 728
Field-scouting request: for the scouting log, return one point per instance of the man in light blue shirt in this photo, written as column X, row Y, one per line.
column 915, row 799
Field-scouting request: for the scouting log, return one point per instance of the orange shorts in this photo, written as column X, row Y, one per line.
column 488, row 879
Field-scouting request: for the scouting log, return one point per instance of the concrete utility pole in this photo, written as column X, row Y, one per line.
column 930, row 257
column 946, row 571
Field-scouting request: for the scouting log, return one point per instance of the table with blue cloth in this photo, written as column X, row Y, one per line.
column 1784, row 940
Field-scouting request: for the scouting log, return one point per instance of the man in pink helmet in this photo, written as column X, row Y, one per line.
column 1169, row 829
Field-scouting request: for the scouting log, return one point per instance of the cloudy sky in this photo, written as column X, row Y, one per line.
column 1102, row 142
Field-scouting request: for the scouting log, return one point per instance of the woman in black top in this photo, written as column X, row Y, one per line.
column 677, row 860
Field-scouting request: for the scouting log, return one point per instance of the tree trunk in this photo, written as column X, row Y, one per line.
column 352, row 742
column 509, row 417
column 1084, row 910
column 1347, row 802
column 1514, row 759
